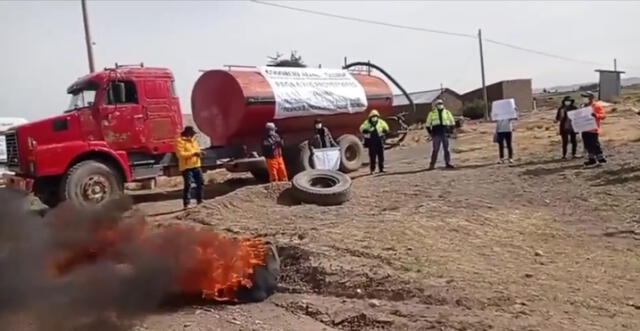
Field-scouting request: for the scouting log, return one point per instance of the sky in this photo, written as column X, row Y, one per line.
column 43, row 49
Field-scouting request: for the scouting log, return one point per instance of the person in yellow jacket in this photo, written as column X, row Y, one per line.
column 440, row 122
column 189, row 161
column 374, row 130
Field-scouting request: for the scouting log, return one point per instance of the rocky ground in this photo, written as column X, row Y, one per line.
column 543, row 244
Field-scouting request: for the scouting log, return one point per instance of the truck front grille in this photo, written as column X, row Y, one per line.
column 13, row 159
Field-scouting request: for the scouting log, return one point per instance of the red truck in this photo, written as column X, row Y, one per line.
column 122, row 122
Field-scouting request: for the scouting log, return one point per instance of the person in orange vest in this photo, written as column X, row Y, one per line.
column 272, row 145
column 189, row 161
column 591, row 139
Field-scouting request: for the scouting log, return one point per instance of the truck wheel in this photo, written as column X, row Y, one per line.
column 90, row 183
column 298, row 158
column 322, row 187
column 351, row 151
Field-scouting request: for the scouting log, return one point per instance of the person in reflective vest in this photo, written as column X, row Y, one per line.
column 440, row 123
column 374, row 130
column 272, row 146
column 591, row 138
column 189, row 161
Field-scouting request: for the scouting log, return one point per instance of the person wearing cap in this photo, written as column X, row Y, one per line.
column 189, row 161
column 321, row 137
column 374, row 129
column 566, row 129
column 272, row 145
column 591, row 139
column 439, row 124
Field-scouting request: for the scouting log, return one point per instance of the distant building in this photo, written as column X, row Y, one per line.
column 609, row 85
column 518, row 89
column 423, row 101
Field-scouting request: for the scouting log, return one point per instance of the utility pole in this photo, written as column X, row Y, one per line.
column 615, row 64
column 484, row 85
column 87, row 36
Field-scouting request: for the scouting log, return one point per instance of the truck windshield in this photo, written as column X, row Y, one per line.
column 81, row 99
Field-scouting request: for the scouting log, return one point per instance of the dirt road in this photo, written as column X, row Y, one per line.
column 539, row 245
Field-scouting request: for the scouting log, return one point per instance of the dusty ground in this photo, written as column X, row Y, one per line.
column 539, row 245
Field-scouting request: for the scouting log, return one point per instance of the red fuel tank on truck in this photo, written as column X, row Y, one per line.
column 232, row 107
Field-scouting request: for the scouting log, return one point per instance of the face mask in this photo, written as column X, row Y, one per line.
column 440, row 107
column 567, row 103
column 319, row 126
column 374, row 119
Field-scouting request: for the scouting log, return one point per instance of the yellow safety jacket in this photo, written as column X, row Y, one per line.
column 381, row 126
column 185, row 150
column 433, row 118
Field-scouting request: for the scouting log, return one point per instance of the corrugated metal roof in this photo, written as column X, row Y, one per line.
column 417, row 97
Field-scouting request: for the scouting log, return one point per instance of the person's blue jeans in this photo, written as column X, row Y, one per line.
column 440, row 139
column 192, row 178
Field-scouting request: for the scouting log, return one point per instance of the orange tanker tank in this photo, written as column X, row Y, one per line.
column 232, row 107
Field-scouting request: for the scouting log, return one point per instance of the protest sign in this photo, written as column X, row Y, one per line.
column 311, row 92
column 503, row 110
column 582, row 119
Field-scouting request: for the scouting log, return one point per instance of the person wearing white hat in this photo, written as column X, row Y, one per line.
column 272, row 145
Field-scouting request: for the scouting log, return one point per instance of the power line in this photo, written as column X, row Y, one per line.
column 560, row 57
column 362, row 20
column 414, row 28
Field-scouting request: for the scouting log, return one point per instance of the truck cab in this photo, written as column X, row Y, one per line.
column 120, row 125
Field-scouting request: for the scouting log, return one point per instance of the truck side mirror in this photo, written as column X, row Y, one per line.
column 118, row 92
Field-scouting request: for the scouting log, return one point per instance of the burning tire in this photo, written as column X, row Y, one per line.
column 90, row 183
column 351, row 151
column 322, row 187
column 265, row 282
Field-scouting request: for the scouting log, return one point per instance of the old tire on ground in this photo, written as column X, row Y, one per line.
column 321, row 187
column 91, row 183
column 260, row 174
column 297, row 158
column 265, row 280
column 351, row 152
column 257, row 166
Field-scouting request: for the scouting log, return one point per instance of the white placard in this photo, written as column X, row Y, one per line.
column 504, row 110
column 3, row 149
column 326, row 158
column 310, row 92
column 582, row 119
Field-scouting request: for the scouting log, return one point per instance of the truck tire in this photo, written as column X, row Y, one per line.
column 351, row 152
column 322, row 187
column 297, row 158
column 90, row 183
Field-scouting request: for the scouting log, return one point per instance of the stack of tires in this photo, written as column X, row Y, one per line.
column 325, row 187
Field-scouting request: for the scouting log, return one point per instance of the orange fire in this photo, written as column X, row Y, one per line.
column 207, row 263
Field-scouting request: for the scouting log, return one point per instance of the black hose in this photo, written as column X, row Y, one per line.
column 400, row 116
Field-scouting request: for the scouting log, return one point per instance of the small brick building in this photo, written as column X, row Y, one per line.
column 423, row 101
column 518, row 89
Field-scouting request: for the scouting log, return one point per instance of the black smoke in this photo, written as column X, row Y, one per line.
column 99, row 296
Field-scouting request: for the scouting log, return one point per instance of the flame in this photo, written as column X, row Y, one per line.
column 208, row 263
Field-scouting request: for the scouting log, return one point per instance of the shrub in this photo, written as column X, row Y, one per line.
column 474, row 109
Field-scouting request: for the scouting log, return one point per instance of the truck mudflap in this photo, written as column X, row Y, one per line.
column 18, row 183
